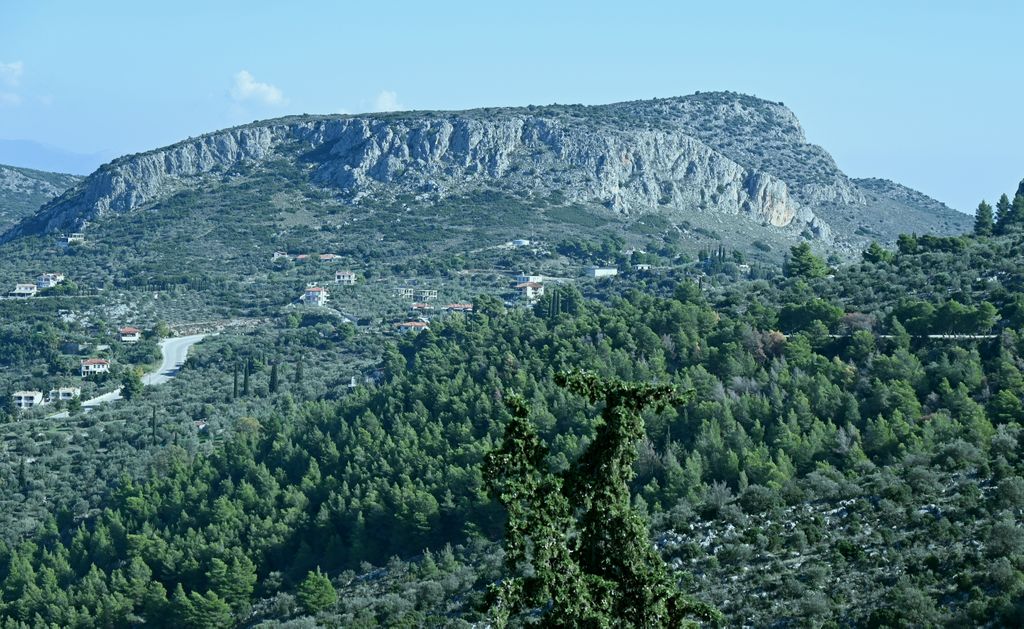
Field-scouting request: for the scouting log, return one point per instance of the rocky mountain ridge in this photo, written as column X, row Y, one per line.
column 720, row 153
column 23, row 191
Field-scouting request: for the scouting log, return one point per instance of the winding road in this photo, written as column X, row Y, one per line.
column 174, row 351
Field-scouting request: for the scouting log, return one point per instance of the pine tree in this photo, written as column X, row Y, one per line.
column 1002, row 214
column 803, row 263
column 875, row 254
column 131, row 385
column 983, row 221
column 316, row 592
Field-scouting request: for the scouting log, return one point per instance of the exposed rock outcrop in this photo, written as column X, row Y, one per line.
column 721, row 153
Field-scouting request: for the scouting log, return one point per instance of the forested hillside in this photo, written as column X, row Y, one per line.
column 850, row 455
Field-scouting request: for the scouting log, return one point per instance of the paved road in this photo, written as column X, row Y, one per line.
column 174, row 351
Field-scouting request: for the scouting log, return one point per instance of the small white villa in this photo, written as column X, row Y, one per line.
column 315, row 296
column 64, row 394
column 27, row 399
column 412, row 326
column 523, row 278
column 345, row 278
column 24, row 290
column 602, row 271
column 49, row 280
column 531, row 291
column 92, row 366
column 129, row 334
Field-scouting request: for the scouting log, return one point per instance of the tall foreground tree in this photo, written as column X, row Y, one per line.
column 1003, row 215
column 983, row 221
column 575, row 547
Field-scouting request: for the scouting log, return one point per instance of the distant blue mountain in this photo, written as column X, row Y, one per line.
column 38, row 156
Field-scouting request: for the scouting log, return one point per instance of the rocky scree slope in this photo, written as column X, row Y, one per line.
column 720, row 153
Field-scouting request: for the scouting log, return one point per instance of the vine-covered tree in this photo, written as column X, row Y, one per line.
column 575, row 545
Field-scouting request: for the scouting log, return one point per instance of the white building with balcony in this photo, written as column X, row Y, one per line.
column 315, row 296
column 27, row 399
column 93, row 366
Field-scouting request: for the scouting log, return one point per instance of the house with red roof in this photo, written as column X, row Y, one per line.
column 93, row 366
column 412, row 326
column 315, row 296
column 531, row 291
column 129, row 334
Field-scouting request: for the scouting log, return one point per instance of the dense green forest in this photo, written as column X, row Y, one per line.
column 850, row 455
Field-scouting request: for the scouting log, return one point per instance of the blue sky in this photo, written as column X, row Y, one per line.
column 925, row 93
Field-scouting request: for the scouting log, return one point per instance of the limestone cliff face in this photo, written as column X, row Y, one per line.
column 722, row 154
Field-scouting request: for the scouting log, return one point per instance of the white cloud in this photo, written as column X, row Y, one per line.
column 247, row 88
column 387, row 100
column 10, row 73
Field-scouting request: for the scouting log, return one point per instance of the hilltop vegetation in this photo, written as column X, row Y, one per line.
column 835, row 465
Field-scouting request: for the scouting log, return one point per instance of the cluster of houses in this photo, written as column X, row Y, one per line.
column 316, row 295
column 44, row 281
column 86, row 367
column 24, row 400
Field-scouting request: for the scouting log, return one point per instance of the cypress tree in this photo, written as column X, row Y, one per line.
column 234, row 389
column 273, row 378
column 245, row 377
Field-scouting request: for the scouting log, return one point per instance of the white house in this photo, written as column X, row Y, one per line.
column 412, row 326
column 129, row 335
column 642, row 267
column 523, row 278
column 76, row 238
column 602, row 271
column 315, row 296
column 743, row 268
column 345, row 278
column 27, row 399
column 531, row 291
column 92, row 366
column 64, row 394
column 278, row 255
column 49, row 280
column 328, row 257
column 459, row 308
column 24, row 290
column 520, row 242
